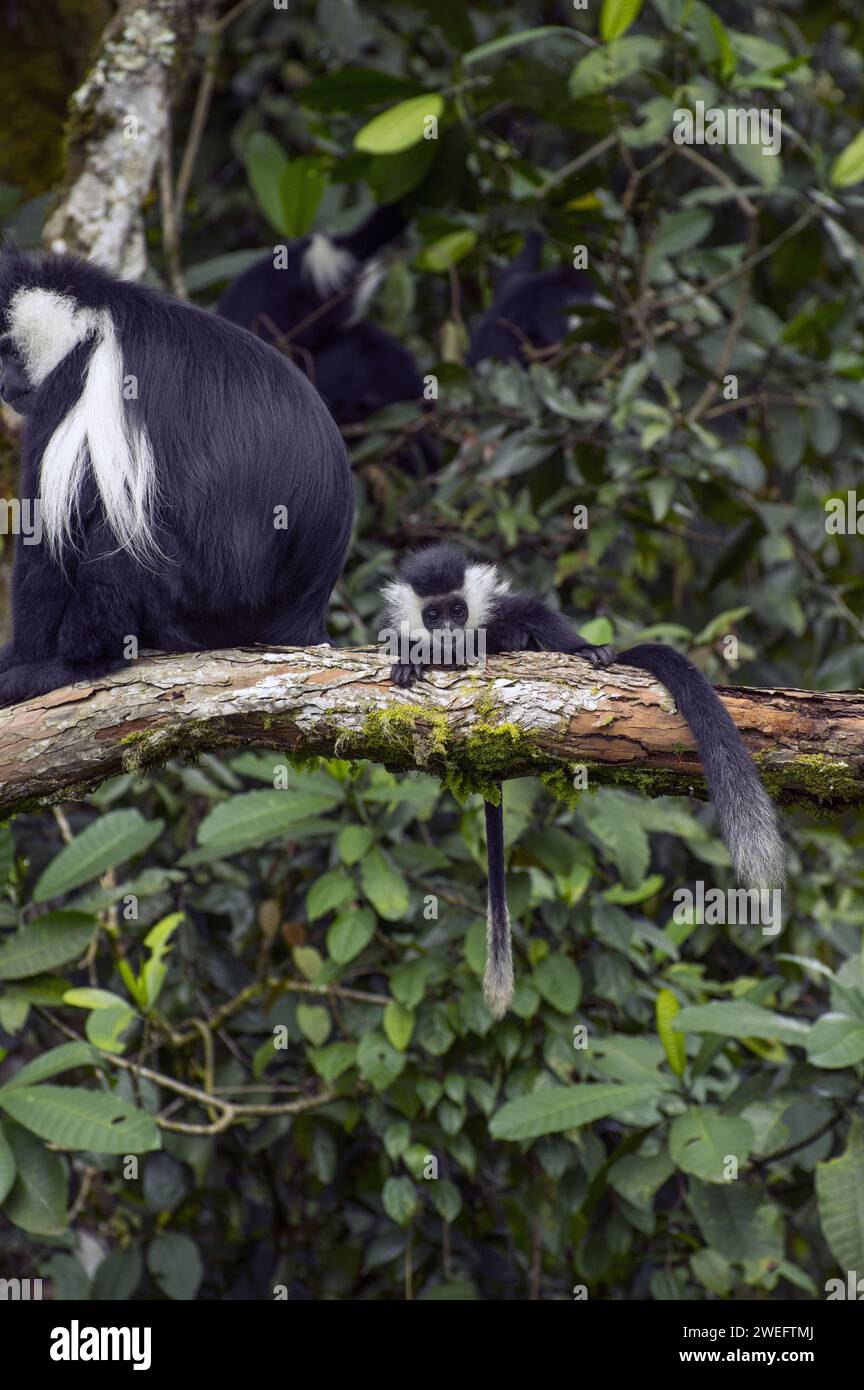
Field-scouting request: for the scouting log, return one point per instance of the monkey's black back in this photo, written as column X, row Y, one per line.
column 529, row 307
column 254, row 497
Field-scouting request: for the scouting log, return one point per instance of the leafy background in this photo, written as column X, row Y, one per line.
column 320, row 948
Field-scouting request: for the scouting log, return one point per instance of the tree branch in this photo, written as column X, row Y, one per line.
column 536, row 713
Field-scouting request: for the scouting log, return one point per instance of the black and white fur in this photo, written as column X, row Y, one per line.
column 324, row 284
column 312, row 308
column 438, row 587
column 166, row 448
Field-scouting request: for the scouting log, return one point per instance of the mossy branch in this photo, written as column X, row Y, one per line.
column 536, row 713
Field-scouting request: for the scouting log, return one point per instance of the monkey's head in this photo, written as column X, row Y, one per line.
column 439, row 588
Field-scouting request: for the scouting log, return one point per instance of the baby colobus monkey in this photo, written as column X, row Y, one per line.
column 193, row 489
column 439, row 589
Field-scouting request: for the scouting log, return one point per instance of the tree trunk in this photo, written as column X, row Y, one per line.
column 118, row 121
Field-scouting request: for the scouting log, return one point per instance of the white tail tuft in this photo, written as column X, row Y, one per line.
column 752, row 833
column 498, row 976
column 327, row 265
column 124, row 469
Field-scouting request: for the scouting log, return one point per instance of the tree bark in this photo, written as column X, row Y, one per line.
column 117, row 126
column 539, row 714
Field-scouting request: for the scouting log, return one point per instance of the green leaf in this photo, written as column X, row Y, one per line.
column 8, row 1169
column 353, row 842
column 713, row 1272
column 667, row 1008
column 392, row 176
column 175, row 1263
column 62, row 1058
column 330, row 891
column 384, row 887
column 525, row 36
column 848, row 168
column 447, row 251
column 557, row 1108
column 603, row 68
column 118, row 1276
column 616, row 16
column 105, row 1027
column 621, row 836
column 559, row 982
column 736, row 1018
column 399, row 127
column 680, row 231
column 627, row 897
column 13, row 1013
column 350, row 934
column 218, row 269
column 378, row 1061
column 53, row 940
column 314, row 1023
column 301, row 188
column 738, row 1222
column 355, row 89
column 113, row 838
column 408, row 982
column 333, row 1061
column 265, row 162
column 638, row 1177
column 702, row 1140
column 94, row 999
column 446, row 1199
column 37, row 1202
column 766, row 169
column 7, row 854
column 400, row 1200
column 836, row 1041
column 840, row 1197
column 155, row 969
column 256, row 818
column 309, row 961
column 78, row 1119
column 398, row 1025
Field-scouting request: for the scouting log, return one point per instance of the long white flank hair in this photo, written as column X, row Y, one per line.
column 96, row 429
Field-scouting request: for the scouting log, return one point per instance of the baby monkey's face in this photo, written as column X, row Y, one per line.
column 449, row 612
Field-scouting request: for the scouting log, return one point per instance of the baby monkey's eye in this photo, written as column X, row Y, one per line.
column 432, row 615
column 458, row 610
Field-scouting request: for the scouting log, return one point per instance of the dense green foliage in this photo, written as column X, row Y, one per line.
column 330, row 945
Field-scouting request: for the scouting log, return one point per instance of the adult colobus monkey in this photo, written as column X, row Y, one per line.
column 311, row 308
column 320, row 285
column 193, row 490
column 529, row 307
column 439, row 589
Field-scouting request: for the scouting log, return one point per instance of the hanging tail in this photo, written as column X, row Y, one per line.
column 748, row 820
column 498, row 977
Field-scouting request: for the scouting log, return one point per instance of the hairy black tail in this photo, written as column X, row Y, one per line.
column 746, row 812
column 498, row 978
